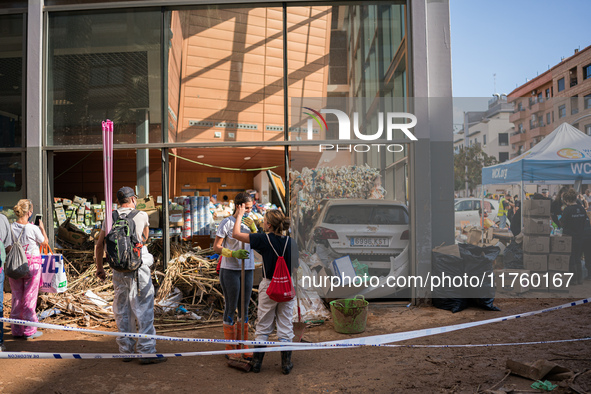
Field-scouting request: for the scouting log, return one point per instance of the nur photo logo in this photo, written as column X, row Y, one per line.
column 388, row 124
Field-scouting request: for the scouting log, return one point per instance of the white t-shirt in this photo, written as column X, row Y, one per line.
column 30, row 239
column 225, row 230
column 141, row 222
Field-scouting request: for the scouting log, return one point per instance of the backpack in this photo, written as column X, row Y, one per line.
column 124, row 250
column 281, row 287
column 17, row 264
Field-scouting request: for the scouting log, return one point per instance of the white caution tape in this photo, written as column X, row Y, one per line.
column 376, row 340
column 65, row 356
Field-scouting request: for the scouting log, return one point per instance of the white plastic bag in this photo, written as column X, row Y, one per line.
column 53, row 274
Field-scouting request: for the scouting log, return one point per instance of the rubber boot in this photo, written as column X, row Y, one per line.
column 230, row 333
column 239, row 325
column 257, row 360
column 286, row 364
column 579, row 274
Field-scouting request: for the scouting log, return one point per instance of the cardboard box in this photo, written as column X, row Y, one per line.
column 71, row 233
column 153, row 218
column 537, row 226
column 504, row 278
column 561, row 244
column 145, row 204
column 538, row 281
column 536, row 208
column 535, row 262
column 536, row 244
column 452, row 250
column 175, row 218
column 203, row 241
column 558, row 262
column 79, row 200
column 557, row 282
column 474, row 236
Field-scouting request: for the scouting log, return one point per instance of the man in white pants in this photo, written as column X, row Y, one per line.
column 134, row 294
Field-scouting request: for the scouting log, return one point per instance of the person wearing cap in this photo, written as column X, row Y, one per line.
column 134, row 293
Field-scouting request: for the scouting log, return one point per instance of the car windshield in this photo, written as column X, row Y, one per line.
column 366, row 214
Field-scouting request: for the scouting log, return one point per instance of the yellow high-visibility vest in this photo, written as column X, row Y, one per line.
column 502, row 210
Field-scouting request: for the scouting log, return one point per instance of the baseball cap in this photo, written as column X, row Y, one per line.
column 125, row 192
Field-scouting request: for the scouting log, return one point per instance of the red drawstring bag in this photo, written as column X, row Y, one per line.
column 281, row 287
column 219, row 265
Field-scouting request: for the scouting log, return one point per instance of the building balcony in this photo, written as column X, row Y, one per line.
column 517, row 138
column 541, row 104
column 516, row 116
column 537, row 132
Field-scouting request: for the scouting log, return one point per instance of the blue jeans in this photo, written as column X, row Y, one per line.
column 1, row 305
column 503, row 222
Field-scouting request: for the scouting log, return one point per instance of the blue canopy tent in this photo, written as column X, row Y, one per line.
column 564, row 156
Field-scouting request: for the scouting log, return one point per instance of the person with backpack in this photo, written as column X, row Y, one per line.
column 5, row 245
column 25, row 290
column 232, row 253
column 272, row 245
column 130, row 260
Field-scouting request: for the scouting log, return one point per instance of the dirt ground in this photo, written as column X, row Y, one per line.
column 408, row 370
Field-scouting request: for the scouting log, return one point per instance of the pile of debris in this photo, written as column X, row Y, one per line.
column 188, row 294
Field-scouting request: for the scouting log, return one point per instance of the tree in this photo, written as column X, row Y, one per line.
column 475, row 159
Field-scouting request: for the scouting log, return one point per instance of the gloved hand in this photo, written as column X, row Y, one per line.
column 250, row 224
column 237, row 254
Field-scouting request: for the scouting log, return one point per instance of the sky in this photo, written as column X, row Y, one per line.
column 514, row 39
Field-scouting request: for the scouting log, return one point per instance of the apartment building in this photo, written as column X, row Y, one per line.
column 490, row 129
column 561, row 94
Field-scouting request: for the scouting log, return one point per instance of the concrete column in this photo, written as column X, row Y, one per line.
column 431, row 156
column 33, row 119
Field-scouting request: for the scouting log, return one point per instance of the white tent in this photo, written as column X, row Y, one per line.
column 564, row 156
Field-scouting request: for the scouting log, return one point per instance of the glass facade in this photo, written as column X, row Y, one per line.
column 104, row 65
column 12, row 96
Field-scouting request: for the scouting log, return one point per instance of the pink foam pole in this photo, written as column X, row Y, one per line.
column 108, row 171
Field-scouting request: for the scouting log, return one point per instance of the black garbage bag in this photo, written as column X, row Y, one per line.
column 478, row 265
column 446, row 295
column 513, row 256
column 469, row 278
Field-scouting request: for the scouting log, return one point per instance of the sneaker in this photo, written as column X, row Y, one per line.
column 2, row 347
column 155, row 360
column 33, row 336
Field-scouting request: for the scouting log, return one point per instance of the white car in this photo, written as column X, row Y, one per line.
column 370, row 231
column 466, row 211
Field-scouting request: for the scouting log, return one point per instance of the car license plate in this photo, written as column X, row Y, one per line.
column 370, row 242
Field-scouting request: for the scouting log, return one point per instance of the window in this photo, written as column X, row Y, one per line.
column 587, row 71
column 561, row 111
column 548, row 93
column 588, row 129
column 573, row 76
column 520, row 106
column 548, row 118
column 503, row 156
column 561, row 84
column 574, row 105
column 484, row 140
column 465, row 205
column 587, row 101
column 503, row 139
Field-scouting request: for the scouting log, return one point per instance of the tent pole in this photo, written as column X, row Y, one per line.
column 522, row 202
